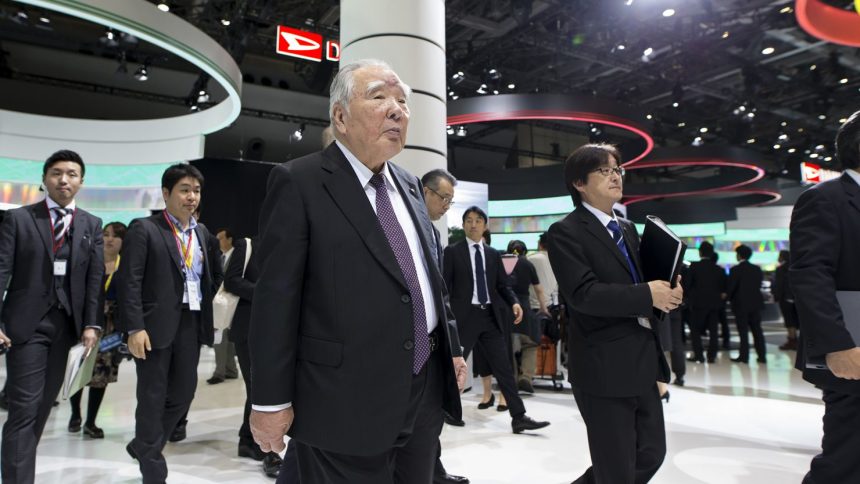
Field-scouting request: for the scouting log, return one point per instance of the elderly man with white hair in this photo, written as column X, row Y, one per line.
column 351, row 350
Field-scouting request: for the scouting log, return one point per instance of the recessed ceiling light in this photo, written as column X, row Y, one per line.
column 822, row 117
column 674, row 105
column 844, row 80
column 649, row 116
column 726, row 34
column 164, row 7
column 842, row 120
column 703, row 130
column 777, row 146
column 648, row 51
column 792, row 150
column 668, row 12
column 225, row 22
column 768, row 50
column 751, row 141
column 681, row 124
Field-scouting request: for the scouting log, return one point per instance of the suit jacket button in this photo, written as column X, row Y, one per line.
column 408, row 345
column 405, row 299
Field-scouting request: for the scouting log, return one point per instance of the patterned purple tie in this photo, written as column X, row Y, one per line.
column 397, row 241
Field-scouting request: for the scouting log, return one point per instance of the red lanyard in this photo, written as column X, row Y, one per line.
column 54, row 244
column 186, row 252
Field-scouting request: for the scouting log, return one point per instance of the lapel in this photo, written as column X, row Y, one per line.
column 343, row 187
column 410, row 191
column 596, row 229
column 852, row 190
column 42, row 220
column 466, row 254
column 78, row 229
column 169, row 241
column 489, row 267
column 203, row 245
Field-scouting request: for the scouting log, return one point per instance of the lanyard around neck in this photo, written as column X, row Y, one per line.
column 186, row 251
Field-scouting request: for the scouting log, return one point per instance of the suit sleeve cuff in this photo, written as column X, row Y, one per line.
column 272, row 408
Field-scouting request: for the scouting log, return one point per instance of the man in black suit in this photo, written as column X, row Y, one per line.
column 480, row 289
column 825, row 227
column 52, row 259
column 744, row 291
column 349, row 332
column 171, row 267
column 241, row 280
column 705, row 286
column 615, row 355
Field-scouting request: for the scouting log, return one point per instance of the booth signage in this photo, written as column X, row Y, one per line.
column 811, row 173
column 306, row 45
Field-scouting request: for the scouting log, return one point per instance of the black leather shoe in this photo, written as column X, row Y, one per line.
column 525, row 386
column 74, row 425
column 712, row 360
column 450, row 420
column 131, row 451
column 179, row 434
column 449, row 479
column 228, row 377
column 739, row 360
column 524, row 422
column 762, row 360
column 215, row 380
column 272, row 464
column 696, row 359
column 489, row 403
column 250, row 451
column 93, row 432
column 678, row 381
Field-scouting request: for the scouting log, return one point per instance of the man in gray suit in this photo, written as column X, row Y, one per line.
column 52, row 260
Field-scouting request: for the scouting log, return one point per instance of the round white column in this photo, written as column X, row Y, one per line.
column 409, row 35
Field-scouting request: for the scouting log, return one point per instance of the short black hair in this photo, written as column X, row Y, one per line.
column 744, row 252
column 176, row 172
column 64, row 155
column 542, row 239
column 848, row 143
column 706, row 249
column 476, row 210
column 785, row 255
column 583, row 161
column 227, row 232
column 517, row 247
column 487, row 236
column 432, row 177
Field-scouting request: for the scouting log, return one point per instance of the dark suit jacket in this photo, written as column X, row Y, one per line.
column 460, row 282
column 704, row 284
column 611, row 354
column 331, row 323
column 745, row 287
column 825, row 228
column 26, row 265
column 151, row 279
column 242, row 286
column 781, row 287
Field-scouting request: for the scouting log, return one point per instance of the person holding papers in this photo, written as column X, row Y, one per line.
column 51, row 258
column 615, row 356
column 171, row 267
column 825, row 228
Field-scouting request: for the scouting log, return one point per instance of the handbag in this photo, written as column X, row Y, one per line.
column 224, row 304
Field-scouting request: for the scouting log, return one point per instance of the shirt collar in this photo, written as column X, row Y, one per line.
column 176, row 223
column 52, row 204
column 600, row 214
column 362, row 171
column 473, row 242
column 854, row 175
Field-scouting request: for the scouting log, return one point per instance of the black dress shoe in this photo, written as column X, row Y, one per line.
column 696, row 359
column 489, row 403
column 525, row 386
column 131, row 451
column 762, row 360
column 450, row 420
column 449, row 479
column 678, row 381
column 93, row 432
column 272, row 464
column 215, row 380
column 739, row 360
column 74, row 425
column 524, row 422
column 712, row 360
column 179, row 434
column 250, row 451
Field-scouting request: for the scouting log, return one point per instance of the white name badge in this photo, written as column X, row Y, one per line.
column 193, row 289
column 60, row 267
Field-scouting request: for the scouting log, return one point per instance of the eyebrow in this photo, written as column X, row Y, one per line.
column 374, row 85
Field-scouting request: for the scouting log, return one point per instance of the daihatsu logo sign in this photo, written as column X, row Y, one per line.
column 305, row 45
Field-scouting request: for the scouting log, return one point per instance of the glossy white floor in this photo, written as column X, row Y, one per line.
column 731, row 424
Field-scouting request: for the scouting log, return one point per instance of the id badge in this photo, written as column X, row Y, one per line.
column 193, row 295
column 60, row 267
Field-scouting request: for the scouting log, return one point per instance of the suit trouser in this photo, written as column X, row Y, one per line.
column 225, row 358
column 244, row 356
column 485, row 334
column 701, row 319
column 750, row 321
column 411, row 458
column 166, row 381
column 677, row 353
column 527, row 348
column 626, row 437
column 35, row 371
column 837, row 462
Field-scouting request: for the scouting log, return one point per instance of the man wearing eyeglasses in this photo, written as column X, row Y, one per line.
column 615, row 355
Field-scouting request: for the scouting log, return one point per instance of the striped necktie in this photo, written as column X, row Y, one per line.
column 59, row 224
column 619, row 241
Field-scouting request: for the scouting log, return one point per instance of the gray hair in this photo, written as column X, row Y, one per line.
column 432, row 177
column 343, row 85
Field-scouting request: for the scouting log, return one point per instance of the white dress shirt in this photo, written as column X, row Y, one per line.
column 854, row 175
column 67, row 219
column 472, row 251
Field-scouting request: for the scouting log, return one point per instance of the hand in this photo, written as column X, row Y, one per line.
column 5, row 339
column 845, row 364
column 269, row 428
column 663, row 297
column 138, row 344
column 518, row 313
column 460, row 372
column 90, row 337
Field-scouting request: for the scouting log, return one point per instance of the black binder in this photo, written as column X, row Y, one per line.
column 661, row 252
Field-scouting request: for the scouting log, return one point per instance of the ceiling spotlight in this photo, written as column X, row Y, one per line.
column 844, row 80
column 648, row 116
column 675, row 105
column 493, row 74
column 461, row 131
column 457, row 75
column 628, row 2
column 495, row 91
column 21, row 17
column 141, row 74
column 783, row 124
column 225, row 22
column 194, row 107
column 725, row 34
column 783, row 137
column 768, row 51
column 482, row 89
column 703, row 130
column 202, row 96
column 777, row 146
column 455, row 97
column 819, row 148
column 822, row 117
column 648, row 51
column 620, row 47
column 449, row 129
column 44, row 19
column 668, row 12
column 813, row 67
column 512, row 86
column 842, row 120
column 813, row 155
column 682, row 124
column 792, row 150
column 698, row 141
column 828, row 158
column 750, row 115
column 298, row 134
column 751, row 141
column 451, row 93
column 786, row 10
column 163, row 6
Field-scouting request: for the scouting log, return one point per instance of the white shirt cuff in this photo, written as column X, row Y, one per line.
column 271, row 408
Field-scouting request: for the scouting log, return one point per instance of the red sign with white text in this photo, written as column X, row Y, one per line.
column 812, row 173
column 298, row 43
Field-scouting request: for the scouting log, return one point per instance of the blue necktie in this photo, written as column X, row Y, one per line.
column 480, row 278
column 619, row 241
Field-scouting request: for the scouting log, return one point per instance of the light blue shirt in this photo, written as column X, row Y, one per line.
column 195, row 274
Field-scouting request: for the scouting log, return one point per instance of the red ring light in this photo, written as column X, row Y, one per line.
column 828, row 23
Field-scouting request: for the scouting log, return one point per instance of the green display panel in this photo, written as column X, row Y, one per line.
column 97, row 176
column 530, row 207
